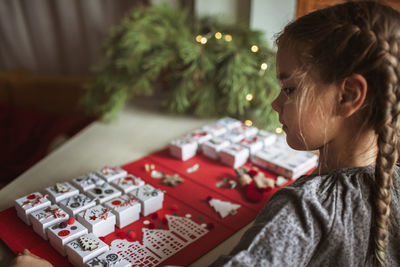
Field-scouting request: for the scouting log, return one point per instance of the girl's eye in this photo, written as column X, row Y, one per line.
column 288, row 90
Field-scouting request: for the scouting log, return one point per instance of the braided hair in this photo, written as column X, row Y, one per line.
column 360, row 37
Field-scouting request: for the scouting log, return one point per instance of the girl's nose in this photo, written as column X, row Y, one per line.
column 276, row 104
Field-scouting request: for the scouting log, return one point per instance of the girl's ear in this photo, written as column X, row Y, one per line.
column 353, row 91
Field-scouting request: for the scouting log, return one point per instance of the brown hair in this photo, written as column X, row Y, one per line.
column 360, row 37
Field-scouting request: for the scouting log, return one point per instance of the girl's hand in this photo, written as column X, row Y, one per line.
column 27, row 259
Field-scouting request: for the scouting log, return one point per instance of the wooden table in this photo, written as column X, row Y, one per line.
column 137, row 132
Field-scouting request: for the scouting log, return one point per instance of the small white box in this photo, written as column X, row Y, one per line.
column 79, row 251
column 200, row 136
column 212, row 147
column 183, row 148
column 61, row 191
column 266, row 137
column 30, row 203
column 234, row 155
column 108, row 259
column 64, row 232
column 112, row 173
column 150, row 198
column 127, row 183
column 233, row 137
column 215, row 129
column 229, row 123
column 47, row 217
column 103, row 193
column 285, row 161
column 88, row 181
column 246, row 131
column 126, row 208
column 253, row 144
column 99, row 220
column 74, row 205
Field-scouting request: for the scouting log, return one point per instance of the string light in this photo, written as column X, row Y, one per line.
column 198, row 38
column 203, row 40
column 228, row 37
column 248, row 122
column 264, row 66
column 218, row 35
column 278, row 130
column 249, row 97
column 254, row 48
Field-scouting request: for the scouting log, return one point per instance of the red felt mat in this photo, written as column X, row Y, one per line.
column 187, row 199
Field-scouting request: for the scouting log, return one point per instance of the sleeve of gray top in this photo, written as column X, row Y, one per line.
column 285, row 233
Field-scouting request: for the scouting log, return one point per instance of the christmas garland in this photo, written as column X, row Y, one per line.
column 208, row 68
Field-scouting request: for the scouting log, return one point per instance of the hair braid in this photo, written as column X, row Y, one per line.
column 387, row 149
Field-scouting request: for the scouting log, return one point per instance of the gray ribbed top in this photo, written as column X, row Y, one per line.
column 319, row 220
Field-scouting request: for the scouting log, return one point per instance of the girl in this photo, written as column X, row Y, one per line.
column 339, row 71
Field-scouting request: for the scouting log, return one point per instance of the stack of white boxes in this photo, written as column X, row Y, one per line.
column 71, row 220
column 233, row 144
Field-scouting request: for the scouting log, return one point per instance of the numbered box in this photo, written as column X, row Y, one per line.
column 234, row 155
column 103, row 193
column 183, row 148
column 61, row 191
column 111, row 173
column 150, row 198
column 88, row 181
column 30, row 203
column 125, row 208
column 85, row 248
column 127, row 183
column 74, row 205
column 64, row 232
column 99, row 220
column 47, row 217
column 212, row 147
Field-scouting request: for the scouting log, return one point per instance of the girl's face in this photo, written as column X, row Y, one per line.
column 307, row 114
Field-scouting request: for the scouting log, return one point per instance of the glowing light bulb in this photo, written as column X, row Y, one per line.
column 254, row 48
column 228, row 37
column 218, row 35
column 248, row 122
column 198, row 38
column 264, row 66
column 278, row 130
column 249, row 97
column 203, row 40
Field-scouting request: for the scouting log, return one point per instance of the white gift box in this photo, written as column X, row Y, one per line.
column 127, row 183
column 75, row 204
column 234, row 155
column 200, row 136
column 61, row 191
column 253, row 144
column 103, row 193
column 111, row 173
column 88, row 181
column 215, row 129
column 64, row 232
column 126, row 209
column 212, row 147
column 30, row 203
column 47, row 217
column 266, row 137
column 285, row 161
column 151, row 199
column 78, row 252
column 233, row 137
column 183, row 148
column 99, row 220
column 229, row 123
column 246, row 131
column 108, row 259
